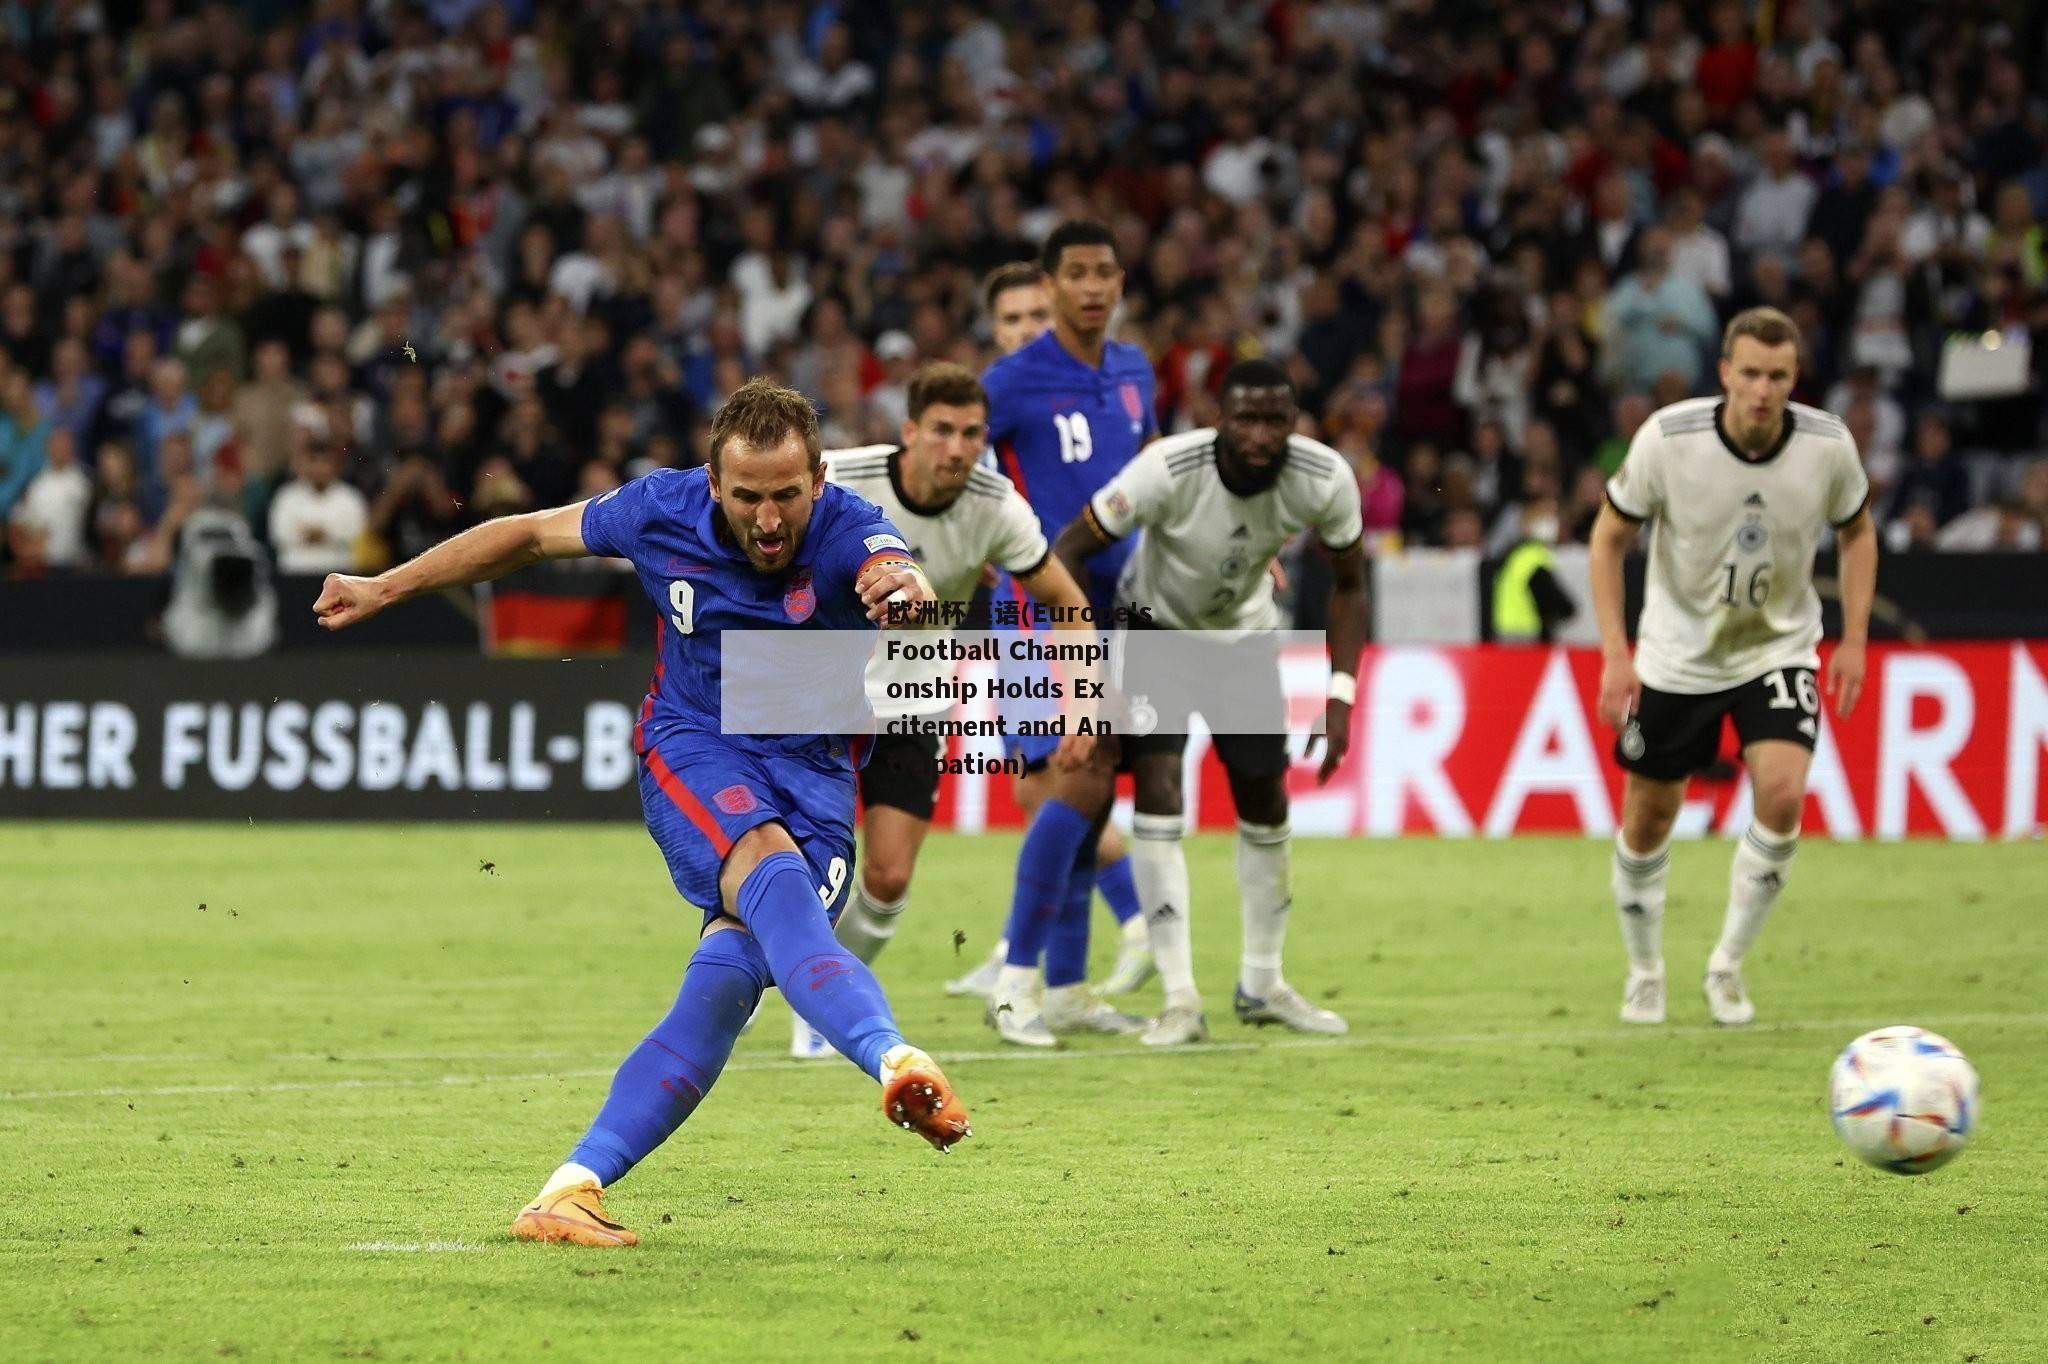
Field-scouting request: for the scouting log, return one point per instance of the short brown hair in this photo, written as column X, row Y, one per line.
column 1016, row 275
column 763, row 413
column 944, row 382
column 1767, row 325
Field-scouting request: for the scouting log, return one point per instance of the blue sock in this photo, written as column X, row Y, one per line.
column 827, row 986
column 1046, row 860
column 1066, row 947
column 1119, row 889
column 661, row 1081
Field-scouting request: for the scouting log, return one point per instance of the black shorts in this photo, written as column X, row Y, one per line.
column 1675, row 734
column 903, row 773
column 1176, row 675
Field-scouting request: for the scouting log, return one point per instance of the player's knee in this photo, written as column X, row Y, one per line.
column 755, row 844
column 1110, row 847
column 1263, row 804
column 886, row 881
column 1089, row 788
column 1031, row 791
column 1157, row 789
column 1778, row 803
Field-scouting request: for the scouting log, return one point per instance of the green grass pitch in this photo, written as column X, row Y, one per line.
column 276, row 1093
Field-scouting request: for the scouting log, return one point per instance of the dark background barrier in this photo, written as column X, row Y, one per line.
column 349, row 735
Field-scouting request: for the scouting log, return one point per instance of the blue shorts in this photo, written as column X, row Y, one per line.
column 701, row 792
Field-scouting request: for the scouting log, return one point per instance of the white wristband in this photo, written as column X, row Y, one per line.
column 1344, row 687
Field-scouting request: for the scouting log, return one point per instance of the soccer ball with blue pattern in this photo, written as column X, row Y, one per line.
column 1903, row 1099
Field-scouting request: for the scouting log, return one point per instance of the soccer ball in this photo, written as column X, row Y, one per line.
column 1903, row 1099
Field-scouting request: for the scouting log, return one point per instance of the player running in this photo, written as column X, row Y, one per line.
column 1019, row 312
column 1216, row 505
column 1741, row 488
column 957, row 517
column 751, row 826
column 1066, row 412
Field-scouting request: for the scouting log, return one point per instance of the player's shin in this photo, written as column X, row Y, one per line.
column 1119, row 889
column 866, row 924
column 1264, row 883
column 1044, row 865
column 1638, row 883
column 826, row 984
column 1756, row 877
column 1161, row 871
column 662, row 1080
column 1066, row 946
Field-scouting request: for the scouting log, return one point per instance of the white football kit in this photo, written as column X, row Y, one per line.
column 1729, row 592
column 1201, row 562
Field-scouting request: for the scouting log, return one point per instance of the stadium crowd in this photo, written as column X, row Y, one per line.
column 367, row 271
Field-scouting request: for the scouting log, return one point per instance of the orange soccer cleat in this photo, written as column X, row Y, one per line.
column 916, row 1095
column 573, row 1213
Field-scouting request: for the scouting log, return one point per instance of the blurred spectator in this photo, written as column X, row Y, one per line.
column 1379, row 488
column 315, row 519
column 1933, row 480
column 70, row 399
column 1658, row 321
column 1913, row 527
column 24, row 435
column 1425, row 407
column 263, row 412
column 1698, row 252
column 1529, row 602
column 1772, row 214
column 207, row 341
column 56, row 503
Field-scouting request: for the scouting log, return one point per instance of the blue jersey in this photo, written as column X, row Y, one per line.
column 1061, row 429
column 702, row 584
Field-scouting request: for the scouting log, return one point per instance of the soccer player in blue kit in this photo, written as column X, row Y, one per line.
column 757, row 830
column 1067, row 411
column 1019, row 309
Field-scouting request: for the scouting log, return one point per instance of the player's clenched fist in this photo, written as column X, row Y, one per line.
column 893, row 580
column 345, row 600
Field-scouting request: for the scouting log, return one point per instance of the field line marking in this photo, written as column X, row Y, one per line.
column 1018, row 1056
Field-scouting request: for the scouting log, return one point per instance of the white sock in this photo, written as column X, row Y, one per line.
column 1000, row 952
column 1265, row 888
column 1015, row 982
column 866, row 924
column 1058, row 997
column 1755, row 878
column 1638, row 884
column 568, row 1176
column 1160, row 869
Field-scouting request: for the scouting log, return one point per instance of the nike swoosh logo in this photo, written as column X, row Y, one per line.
column 597, row 1217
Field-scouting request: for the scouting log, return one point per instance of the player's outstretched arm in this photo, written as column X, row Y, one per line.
column 1346, row 634
column 1081, row 541
column 1613, row 533
column 480, row 553
column 1856, row 548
